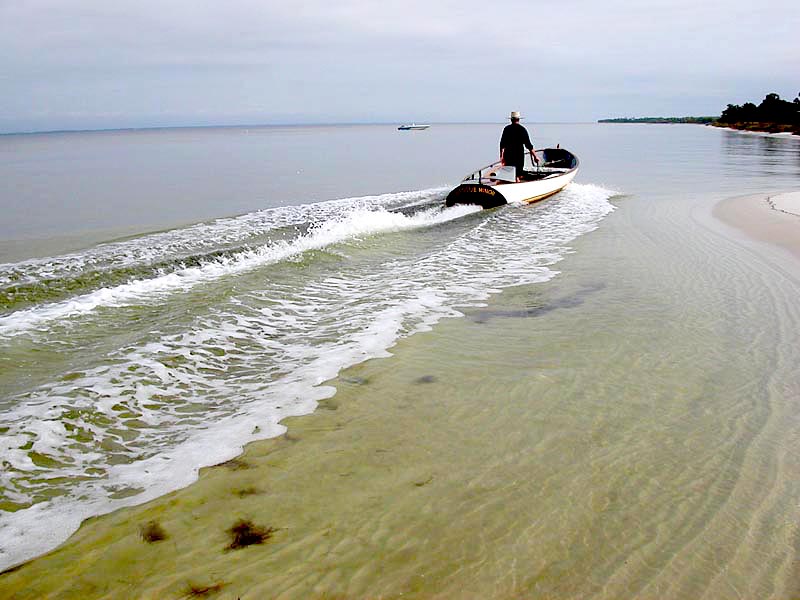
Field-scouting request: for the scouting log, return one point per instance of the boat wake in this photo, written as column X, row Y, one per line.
column 323, row 230
column 152, row 378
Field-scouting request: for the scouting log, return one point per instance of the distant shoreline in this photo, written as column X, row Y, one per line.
column 662, row 120
column 773, row 115
column 753, row 126
column 759, row 127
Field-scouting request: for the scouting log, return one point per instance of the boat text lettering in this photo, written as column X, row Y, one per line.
column 478, row 190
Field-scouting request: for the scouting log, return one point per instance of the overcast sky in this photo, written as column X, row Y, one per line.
column 68, row 64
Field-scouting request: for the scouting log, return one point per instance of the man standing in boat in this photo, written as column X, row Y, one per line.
column 513, row 143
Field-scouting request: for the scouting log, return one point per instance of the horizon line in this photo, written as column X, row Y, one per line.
column 264, row 125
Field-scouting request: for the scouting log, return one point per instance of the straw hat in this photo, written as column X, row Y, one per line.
column 515, row 115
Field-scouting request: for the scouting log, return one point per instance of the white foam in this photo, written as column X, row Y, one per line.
column 356, row 223
column 199, row 238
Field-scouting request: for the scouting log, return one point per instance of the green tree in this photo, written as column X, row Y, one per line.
column 772, row 110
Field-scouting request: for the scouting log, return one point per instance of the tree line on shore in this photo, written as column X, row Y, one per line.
column 772, row 113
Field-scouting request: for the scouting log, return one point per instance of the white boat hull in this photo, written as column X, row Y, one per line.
column 533, row 191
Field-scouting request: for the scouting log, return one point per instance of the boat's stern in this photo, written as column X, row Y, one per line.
column 479, row 194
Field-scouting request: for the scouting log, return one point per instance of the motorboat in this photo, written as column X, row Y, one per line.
column 496, row 184
column 412, row 126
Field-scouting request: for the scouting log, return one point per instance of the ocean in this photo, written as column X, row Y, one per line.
column 168, row 296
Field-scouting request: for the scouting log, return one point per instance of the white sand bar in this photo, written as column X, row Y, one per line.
column 772, row 219
column 789, row 202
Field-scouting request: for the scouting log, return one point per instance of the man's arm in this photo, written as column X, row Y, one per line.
column 527, row 141
column 529, row 146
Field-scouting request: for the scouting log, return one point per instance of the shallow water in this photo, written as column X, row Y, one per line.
column 621, row 428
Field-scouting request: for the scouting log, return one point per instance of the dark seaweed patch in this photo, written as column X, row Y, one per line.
column 245, row 533
column 201, row 591
column 244, row 492
column 152, row 532
column 538, row 309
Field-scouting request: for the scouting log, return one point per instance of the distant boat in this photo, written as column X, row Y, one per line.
column 411, row 126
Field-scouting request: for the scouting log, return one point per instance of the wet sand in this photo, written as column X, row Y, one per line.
column 767, row 218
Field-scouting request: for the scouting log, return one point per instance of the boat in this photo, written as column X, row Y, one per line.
column 411, row 126
column 496, row 184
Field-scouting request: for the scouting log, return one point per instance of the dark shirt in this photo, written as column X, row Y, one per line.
column 514, row 137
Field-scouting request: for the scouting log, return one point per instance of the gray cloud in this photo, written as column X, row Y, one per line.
column 87, row 63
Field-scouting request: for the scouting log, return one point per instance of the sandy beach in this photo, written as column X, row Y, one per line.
column 768, row 218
